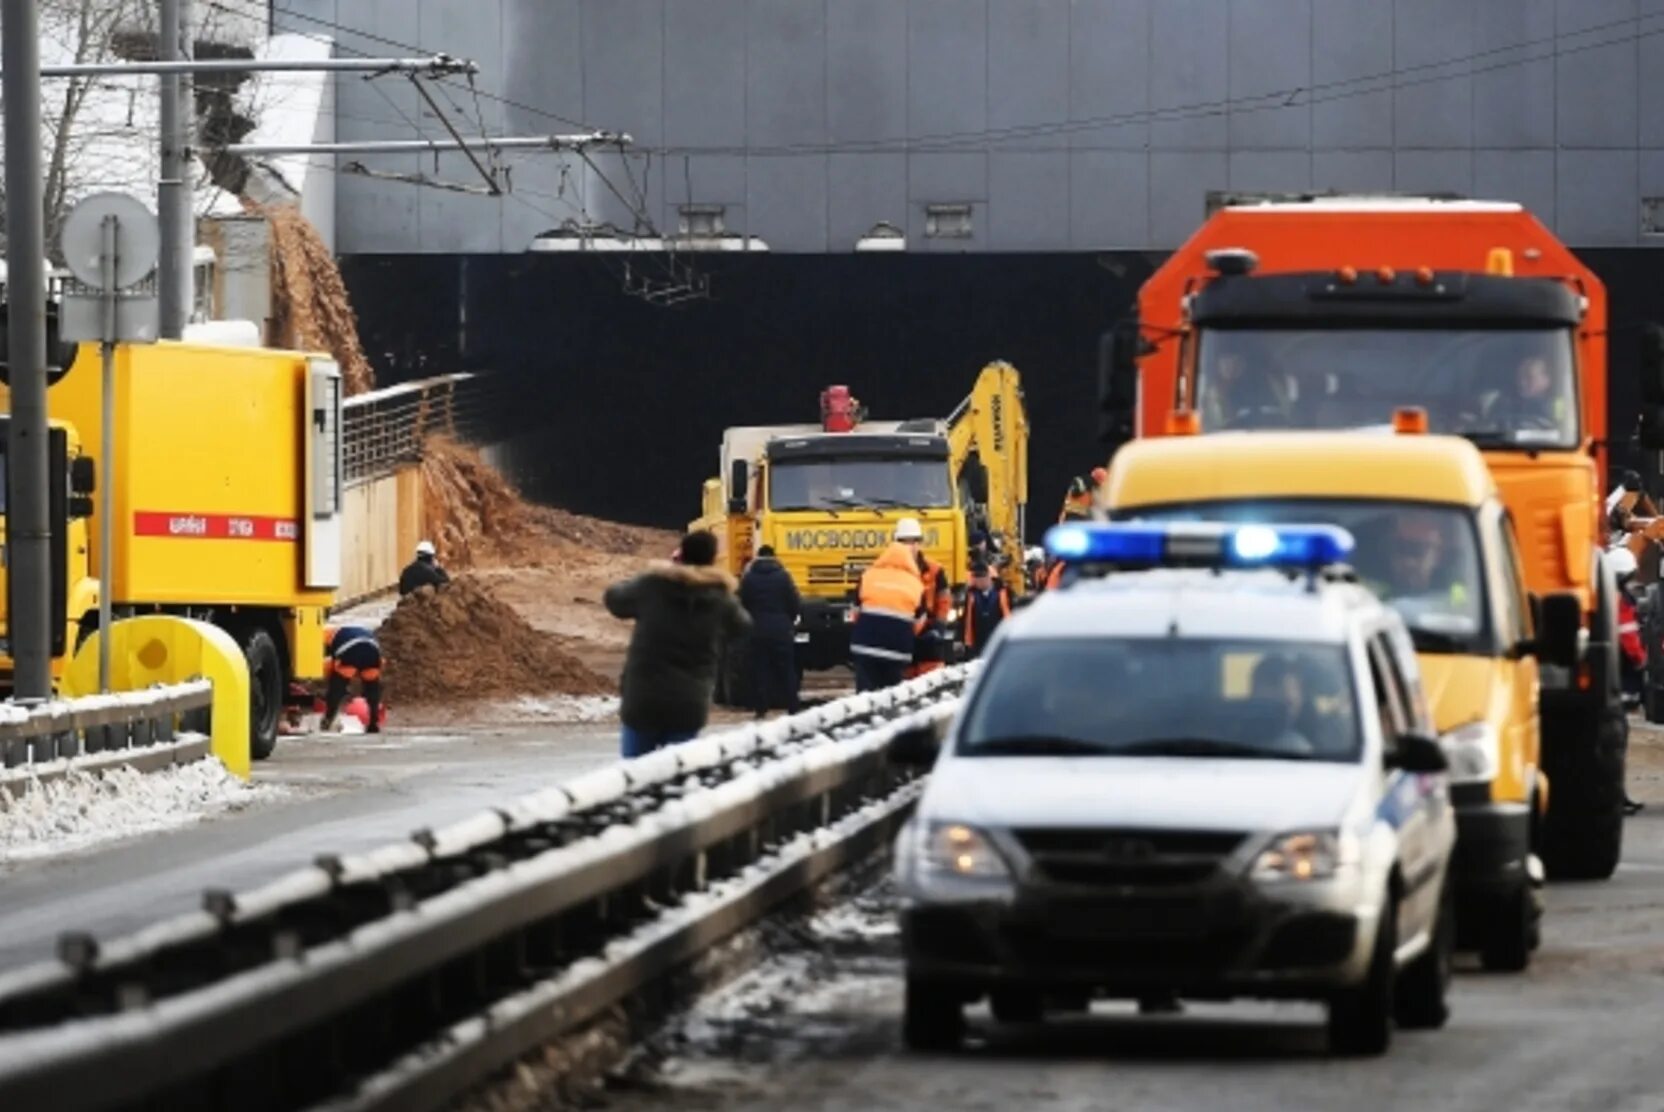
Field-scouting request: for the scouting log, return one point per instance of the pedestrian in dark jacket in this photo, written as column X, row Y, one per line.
column 424, row 571
column 682, row 610
column 987, row 604
column 770, row 597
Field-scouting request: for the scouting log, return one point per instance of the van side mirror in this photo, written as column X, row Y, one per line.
column 1560, row 619
column 916, row 748
column 83, row 476
column 739, row 483
column 1118, row 352
column 1416, row 753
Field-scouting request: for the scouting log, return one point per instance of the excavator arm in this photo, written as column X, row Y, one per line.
column 988, row 456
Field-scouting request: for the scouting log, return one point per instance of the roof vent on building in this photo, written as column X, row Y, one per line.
column 703, row 221
column 947, row 221
column 882, row 236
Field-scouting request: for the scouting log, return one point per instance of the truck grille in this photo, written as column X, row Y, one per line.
column 834, row 575
column 1127, row 857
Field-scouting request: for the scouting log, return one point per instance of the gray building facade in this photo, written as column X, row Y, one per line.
column 1005, row 125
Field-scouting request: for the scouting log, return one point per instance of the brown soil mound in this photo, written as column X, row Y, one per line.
column 311, row 311
column 463, row 643
column 474, row 515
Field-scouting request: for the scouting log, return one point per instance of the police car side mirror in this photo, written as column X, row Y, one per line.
column 1416, row 753
column 916, row 748
column 1559, row 620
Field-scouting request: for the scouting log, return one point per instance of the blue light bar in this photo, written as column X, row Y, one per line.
column 1205, row 544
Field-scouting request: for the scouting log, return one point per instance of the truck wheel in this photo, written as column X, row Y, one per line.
column 1360, row 1019
column 1583, row 831
column 1421, row 1003
column 934, row 1016
column 1511, row 933
column 265, row 692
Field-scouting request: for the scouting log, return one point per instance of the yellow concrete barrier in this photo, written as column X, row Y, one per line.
column 156, row 648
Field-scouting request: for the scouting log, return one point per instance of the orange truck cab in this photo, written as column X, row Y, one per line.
column 1333, row 313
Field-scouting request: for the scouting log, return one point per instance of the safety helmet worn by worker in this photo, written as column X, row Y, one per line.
column 909, row 529
column 425, row 548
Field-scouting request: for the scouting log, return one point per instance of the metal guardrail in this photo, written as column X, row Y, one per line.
column 396, row 979
column 384, row 428
column 95, row 724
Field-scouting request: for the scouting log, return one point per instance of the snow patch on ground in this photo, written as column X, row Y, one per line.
column 79, row 811
column 568, row 708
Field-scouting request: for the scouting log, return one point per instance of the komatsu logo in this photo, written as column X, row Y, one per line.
column 999, row 423
column 846, row 540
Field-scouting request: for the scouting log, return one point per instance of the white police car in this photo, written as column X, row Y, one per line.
column 1212, row 778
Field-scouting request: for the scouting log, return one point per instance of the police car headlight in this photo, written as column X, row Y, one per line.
column 1473, row 752
column 955, row 849
column 1305, row 855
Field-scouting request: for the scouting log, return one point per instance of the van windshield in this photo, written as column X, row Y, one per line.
column 1420, row 558
column 1166, row 697
column 1510, row 388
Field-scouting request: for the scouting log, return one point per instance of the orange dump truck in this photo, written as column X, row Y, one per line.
column 1333, row 313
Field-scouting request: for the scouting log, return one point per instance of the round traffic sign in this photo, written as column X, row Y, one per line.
column 137, row 239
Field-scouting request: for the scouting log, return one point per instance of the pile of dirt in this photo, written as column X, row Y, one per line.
column 475, row 516
column 463, row 643
column 469, row 510
column 311, row 311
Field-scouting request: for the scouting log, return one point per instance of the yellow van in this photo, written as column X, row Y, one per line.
column 1435, row 541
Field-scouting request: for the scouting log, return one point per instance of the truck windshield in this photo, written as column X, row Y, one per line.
column 836, row 484
column 1167, row 697
column 1508, row 388
column 1421, row 559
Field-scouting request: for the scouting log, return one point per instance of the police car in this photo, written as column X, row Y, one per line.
column 1213, row 777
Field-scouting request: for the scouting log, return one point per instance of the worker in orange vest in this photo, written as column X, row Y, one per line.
column 936, row 601
column 987, row 604
column 1082, row 497
column 888, row 615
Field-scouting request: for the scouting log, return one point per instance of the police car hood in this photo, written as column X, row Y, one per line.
column 1148, row 792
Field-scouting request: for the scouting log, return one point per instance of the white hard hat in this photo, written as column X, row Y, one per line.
column 425, row 548
column 909, row 529
column 1035, row 555
column 1622, row 561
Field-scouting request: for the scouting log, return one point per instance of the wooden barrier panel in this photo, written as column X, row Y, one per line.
column 381, row 523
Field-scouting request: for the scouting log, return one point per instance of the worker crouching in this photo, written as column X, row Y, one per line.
column 353, row 655
column 890, row 612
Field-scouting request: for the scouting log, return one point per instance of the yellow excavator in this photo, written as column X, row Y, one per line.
column 826, row 497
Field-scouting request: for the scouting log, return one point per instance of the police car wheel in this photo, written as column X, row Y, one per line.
column 934, row 1016
column 1016, row 1005
column 1421, row 1002
column 1360, row 1018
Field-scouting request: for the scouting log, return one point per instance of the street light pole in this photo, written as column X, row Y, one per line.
column 28, row 536
column 173, row 190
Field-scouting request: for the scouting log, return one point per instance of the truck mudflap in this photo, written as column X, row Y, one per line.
column 823, row 634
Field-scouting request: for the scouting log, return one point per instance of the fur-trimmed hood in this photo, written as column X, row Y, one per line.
column 693, row 576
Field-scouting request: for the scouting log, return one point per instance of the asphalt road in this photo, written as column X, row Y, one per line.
column 1582, row 1030
column 344, row 794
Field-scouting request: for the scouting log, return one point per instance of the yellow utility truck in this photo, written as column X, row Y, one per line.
column 226, row 490
column 827, row 497
column 1437, row 543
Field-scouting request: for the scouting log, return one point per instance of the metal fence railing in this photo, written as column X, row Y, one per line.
column 96, row 723
column 397, row 978
column 386, row 428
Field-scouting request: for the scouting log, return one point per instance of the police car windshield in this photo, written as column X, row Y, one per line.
column 1501, row 387
column 1164, row 697
column 1422, row 559
column 854, row 483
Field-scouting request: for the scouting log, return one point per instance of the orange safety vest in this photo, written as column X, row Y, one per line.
column 935, row 596
column 892, row 587
column 1054, row 578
